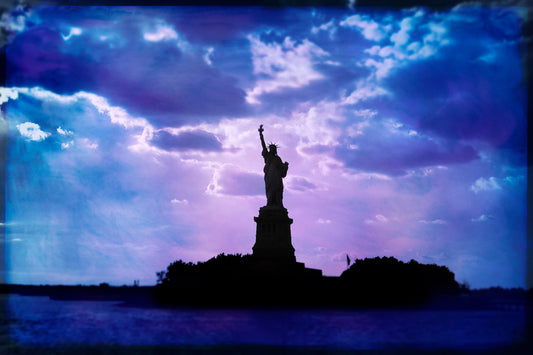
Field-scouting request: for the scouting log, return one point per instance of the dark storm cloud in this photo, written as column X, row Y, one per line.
column 191, row 140
column 171, row 94
column 396, row 154
column 213, row 24
column 35, row 58
column 470, row 91
column 220, row 24
column 157, row 79
column 399, row 162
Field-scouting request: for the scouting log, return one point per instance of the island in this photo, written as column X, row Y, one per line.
column 271, row 275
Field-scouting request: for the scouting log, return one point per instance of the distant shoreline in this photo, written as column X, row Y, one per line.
column 149, row 296
column 246, row 281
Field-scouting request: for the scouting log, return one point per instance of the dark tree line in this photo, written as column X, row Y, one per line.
column 232, row 279
column 389, row 272
column 222, row 268
column 382, row 279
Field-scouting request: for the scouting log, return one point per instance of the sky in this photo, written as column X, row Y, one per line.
column 132, row 137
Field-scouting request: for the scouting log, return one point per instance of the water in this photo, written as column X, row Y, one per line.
column 40, row 322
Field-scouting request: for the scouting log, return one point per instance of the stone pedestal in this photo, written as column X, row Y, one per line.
column 273, row 253
column 273, row 237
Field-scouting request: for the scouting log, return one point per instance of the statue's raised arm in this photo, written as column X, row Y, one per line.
column 261, row 137
column 275, row 170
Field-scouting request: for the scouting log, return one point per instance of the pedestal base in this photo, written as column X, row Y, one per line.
column 273, row 253
column 273, row 237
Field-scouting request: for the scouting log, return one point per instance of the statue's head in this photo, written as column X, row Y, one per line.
column 273, row 148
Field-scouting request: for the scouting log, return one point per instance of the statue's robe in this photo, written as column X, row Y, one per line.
column 274, row 171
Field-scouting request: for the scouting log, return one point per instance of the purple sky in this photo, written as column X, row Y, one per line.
column 132, row 138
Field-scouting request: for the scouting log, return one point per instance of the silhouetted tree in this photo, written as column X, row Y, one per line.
column 234, row 279
column 220, row 269
column 160, row 277
column 464, row 287
column 387, row 279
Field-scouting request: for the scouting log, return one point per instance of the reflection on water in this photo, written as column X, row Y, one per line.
column 39, row 321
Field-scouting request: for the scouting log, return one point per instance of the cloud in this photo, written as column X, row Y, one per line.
column 370, row 29
column 187, row 140
column 415, row 37
column 391, row 148
column 464, row 96
column 162, row 33
column 365, row 113
column 319, row 125
column 77, row 113
column 32, row 131
column 117, row 115
column 363, row 93
column 337, row 82
column 79, row 104
column 214, row 26
column 170, row 86
column 482, row 106
column 435, row 221
column 483, row 184
column 74, row 31
column 382, row 68
column 38, row 57
column 13, row 19
column 402, row 36
column 175, row 201
column 207, row 56
column 7, row 93
column 329, row 27
column 323, row 221
column 482, row 218
column 64, row 132
column 286, row 65
column 67, row 145
column 87, row 143
column 379, row 218
column 514, row 180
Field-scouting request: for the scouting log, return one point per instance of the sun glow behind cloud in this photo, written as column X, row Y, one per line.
column 134, row 143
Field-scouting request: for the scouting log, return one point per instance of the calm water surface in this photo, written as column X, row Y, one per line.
column 39, row 321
